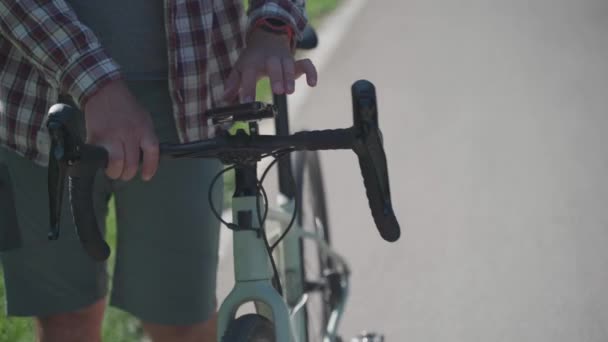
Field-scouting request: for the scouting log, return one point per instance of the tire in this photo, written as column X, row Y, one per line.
column 312, row 216
column 250, row 328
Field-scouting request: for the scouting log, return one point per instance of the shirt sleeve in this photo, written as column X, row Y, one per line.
column 62, row 49
column 291, row 12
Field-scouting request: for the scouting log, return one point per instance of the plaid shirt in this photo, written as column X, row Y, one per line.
column 45, row 51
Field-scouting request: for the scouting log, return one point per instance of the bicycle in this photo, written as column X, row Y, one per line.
column 279, row 315
column 327, row 280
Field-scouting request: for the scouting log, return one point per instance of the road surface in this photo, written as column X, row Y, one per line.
column 495, row 122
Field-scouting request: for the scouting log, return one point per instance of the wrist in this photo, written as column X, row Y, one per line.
column 259, row 34
column 276, row 27
column 87, row 74
column 103, row 94
column 101, row 87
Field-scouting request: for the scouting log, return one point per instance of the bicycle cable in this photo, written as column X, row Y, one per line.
column 294, row 214
column 261, row 192
column 230, row 225
column 277, row 155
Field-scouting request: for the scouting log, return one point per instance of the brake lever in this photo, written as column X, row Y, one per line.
column 56, row 178
column 71, row 158
column 372, row 159
column 57, row 171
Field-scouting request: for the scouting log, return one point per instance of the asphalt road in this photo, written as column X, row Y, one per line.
column 494, row 116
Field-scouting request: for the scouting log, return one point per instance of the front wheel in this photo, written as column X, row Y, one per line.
column 250, row 328
column 317, row 267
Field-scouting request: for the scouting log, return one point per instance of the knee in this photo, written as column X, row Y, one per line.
column 80, row 325
column 204, row 331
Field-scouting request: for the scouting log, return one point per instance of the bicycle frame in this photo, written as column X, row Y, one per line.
column 253, row 273
column 289, row 261
column 289, row 253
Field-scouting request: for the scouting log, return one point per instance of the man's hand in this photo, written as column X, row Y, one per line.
column 117, row 122
column 267, row 54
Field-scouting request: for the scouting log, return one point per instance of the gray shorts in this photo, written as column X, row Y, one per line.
column 167, row 250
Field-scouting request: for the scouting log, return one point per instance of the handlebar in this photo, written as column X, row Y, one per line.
column 71, row 157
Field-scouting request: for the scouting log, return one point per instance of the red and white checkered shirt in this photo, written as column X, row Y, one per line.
column 45, row 51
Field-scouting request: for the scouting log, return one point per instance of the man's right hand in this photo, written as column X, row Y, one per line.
column 115, row 121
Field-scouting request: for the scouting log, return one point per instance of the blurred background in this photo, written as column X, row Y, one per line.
column 494, row 116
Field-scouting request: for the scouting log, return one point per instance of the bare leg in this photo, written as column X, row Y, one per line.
column 77, row 326
column 201, row 332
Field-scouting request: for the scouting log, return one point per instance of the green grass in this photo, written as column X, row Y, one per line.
column 316, row 9
column 119, row 326
column 14, row 329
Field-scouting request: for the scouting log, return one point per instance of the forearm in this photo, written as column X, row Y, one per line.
column 61, row 48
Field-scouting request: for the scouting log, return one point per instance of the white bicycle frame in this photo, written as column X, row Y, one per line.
column 253, row 274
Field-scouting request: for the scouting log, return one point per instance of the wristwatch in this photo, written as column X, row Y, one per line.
column 276, row 26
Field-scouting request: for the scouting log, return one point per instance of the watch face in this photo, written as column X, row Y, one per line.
column 276, row 26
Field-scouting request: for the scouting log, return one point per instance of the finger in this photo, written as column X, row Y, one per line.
column 274, row 69
column 289, row 75
column 131, row 148
column 231, row 87
column 115, row 159
column 248, row 81
column 305, row 66
column 149, row 147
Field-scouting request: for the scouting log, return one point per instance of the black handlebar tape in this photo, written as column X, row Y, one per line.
column 81, row 185
column 372, row 159
column 331, row 139
column 328, row 139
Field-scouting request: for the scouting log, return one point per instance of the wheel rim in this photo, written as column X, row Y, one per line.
column 315, row 264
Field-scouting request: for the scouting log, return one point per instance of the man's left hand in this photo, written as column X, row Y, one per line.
column 267, row 54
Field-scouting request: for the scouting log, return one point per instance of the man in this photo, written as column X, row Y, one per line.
column 141, row 72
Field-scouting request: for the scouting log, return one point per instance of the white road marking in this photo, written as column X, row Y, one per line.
column 330, row 33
